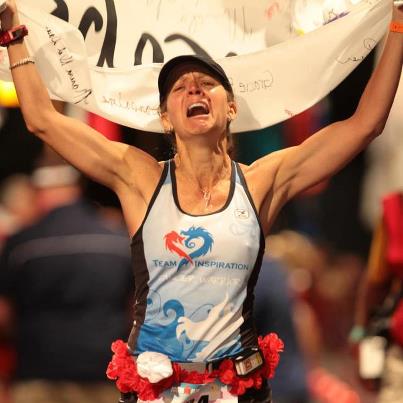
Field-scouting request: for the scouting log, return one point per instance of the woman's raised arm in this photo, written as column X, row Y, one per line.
column 327, row 151
column 108, row 162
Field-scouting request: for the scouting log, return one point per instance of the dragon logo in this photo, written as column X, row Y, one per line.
column 175, row 242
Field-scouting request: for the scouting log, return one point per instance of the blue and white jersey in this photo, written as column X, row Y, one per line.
column 195, row 275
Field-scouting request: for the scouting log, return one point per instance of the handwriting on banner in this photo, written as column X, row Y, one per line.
column 120, row 102
column 254, row 84
column 368, row 44
column 65, row 59
column 261, row 83
column 236, row 18
column 93, row 17
column 194, row 21
column 129, row 96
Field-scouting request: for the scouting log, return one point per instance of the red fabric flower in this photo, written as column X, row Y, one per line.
column 198, row 378
column 227, row 372
column 123, row 370
column 119, row 347
column 239, row 385
column 271, row 346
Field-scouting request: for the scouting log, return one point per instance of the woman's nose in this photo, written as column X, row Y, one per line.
column 194, row 88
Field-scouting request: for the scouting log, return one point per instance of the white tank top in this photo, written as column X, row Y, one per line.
column 195, row 275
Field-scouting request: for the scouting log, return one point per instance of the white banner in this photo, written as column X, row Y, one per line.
column 98, row 54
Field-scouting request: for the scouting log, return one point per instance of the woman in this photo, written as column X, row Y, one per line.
column 198, row 222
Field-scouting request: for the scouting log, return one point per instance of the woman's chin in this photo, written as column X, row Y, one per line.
column 202, row 126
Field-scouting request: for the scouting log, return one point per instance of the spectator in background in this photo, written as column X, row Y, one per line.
column 18, row 206
column 379, row 310
column 312, row 321
column 68, row 278
column 274, row 312
column 305, row 263
column 18, row 209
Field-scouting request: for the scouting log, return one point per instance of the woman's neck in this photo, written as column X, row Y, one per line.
column 204, row 166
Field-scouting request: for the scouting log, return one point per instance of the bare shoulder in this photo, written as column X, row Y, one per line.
column 263, row 177
column 263, row 169
column 140, row 171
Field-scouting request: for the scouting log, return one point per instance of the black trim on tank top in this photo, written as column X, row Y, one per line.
column 247, row 310
column 248, row 339
column 139, row 267
column 176, row 199
column 141, row 291
column 248, row 195
column 153, row 198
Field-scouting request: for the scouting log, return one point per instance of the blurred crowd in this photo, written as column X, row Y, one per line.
column 65, row 285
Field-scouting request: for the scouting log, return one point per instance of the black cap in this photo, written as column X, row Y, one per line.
column 216, row 70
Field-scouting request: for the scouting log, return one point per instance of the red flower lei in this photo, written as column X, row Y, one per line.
column 123, row 370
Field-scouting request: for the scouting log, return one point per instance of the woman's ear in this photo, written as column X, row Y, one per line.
column 232, row 111
column 166, row 123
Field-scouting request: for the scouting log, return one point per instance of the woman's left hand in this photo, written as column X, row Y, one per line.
column 397, row 14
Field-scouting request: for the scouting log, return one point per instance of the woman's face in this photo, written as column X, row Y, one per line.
column 197, row 103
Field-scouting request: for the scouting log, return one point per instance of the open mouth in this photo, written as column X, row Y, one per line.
column 197, row 109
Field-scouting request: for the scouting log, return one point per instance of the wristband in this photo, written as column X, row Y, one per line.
column 357, row 333
column 396, row 27
column 12, row 35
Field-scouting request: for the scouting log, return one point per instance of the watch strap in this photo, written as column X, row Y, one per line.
column 12, row 35
column 396, row 27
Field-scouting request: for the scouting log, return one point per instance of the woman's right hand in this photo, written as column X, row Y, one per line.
column 9, row 17
column 397, row 13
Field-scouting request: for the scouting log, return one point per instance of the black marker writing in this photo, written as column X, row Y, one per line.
column 368, row 45
column 65, row 59
column 127, row 104
column 257, row 84
column 94, row 17
column 158, row 55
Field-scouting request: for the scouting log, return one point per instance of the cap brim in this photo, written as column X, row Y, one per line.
column 209, row 64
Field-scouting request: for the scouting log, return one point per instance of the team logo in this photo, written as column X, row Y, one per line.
column 241, row 213
column 184, row 244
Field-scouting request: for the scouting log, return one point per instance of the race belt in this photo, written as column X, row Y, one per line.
column 150, row 373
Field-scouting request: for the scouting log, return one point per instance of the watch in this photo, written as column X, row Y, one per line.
column 12, row 35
